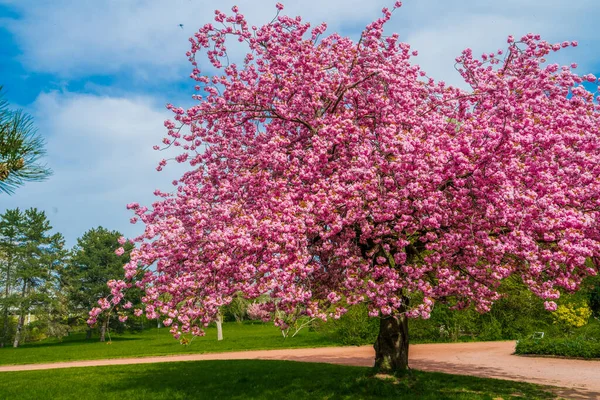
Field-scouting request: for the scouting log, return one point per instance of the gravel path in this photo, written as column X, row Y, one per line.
column 579, row 378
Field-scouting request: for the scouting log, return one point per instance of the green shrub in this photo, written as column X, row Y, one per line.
column 577, row 347
column 10, row 334
column 354, row 328
column 236, row 310
column 516, row 316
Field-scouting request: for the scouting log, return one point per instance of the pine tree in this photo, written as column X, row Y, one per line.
column 20, row 149
column 92, row 263
column 10, row 235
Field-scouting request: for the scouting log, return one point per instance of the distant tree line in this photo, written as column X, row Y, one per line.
column 47, row 290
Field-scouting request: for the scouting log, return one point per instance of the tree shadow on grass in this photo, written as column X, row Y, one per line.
column 251, row 379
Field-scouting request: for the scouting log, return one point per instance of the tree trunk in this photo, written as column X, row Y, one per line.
column 391, row 347
column 88, row 334
column 219, row 327
column 21, row 321
column 20, row 325
column 103, row 328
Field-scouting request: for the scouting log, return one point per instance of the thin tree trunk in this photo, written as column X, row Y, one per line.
column 391, row 347
column 88, row 334
column 219, row 327
column 20, row 325
column 23, row 311
column 103, row 328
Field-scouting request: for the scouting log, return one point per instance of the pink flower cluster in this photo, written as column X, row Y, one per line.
column 256, row 311
column 325, row 172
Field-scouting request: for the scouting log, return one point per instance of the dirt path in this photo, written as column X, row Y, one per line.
column 580, row 378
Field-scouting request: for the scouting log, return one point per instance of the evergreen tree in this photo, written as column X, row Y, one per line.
column 11, row 222
column 40, row 253
column 92, row 263
column 20, row 149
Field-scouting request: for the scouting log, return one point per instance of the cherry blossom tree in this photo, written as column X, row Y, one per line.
column 326, row 172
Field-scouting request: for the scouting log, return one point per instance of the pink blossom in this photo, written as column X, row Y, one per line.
column 132, row 206
column 326, row 172
column 104, row 304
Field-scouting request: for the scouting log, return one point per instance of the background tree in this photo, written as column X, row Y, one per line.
column 237, row 309
column 40, row 253
column 20, row 149
column 11, row 234
column 335, row 172
column 93, row 262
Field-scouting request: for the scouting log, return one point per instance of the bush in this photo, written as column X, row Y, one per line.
column 236, row 310
column 577, row 347
column 354, row 328
column 34, row 331
column 10, row 334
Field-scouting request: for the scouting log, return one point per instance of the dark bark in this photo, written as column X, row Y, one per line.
column 88, row 334
column 103, row 329
column 391, row 346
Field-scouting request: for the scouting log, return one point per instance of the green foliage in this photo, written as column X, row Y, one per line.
column 445, row 325
column 353, row 328
column 93, row 262
column 7, row 329
column 592, row 289
column 581, row 342
column 572, row 316
column 29, row 270
column 517, row 315
column 20, row 149
column 253, row 379
column 236, row 310
column 10, row 232
column 569, row 347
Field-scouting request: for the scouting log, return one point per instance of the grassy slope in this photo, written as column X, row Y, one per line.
column 160, row 342
column 250, row 379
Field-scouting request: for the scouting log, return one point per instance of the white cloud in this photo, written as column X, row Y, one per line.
column 440, row 30
column 100, row 149
column 85, row 37
column 78, row 38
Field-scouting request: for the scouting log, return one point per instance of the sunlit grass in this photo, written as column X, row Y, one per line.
column 155, row 342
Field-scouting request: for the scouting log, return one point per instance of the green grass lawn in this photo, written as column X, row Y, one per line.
column 155, row 342
column 252, row 379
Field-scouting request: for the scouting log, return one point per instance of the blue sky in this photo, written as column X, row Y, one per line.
column 96, row 75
